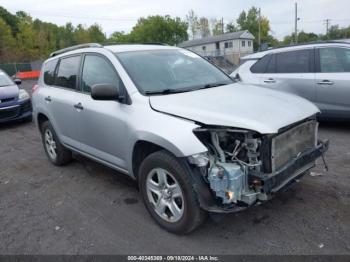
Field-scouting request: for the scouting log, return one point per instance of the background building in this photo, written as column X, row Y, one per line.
column 226, row 48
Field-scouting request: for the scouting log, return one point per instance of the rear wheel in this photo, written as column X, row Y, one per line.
column 55, row 151
column 167, row 192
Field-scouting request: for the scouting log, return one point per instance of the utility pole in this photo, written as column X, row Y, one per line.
column 259, row 36
column 296, row 24
column 327, row 23
column 222, row 25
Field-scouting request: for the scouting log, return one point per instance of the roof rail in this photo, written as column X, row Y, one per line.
column 145, row 43
column 75, row 47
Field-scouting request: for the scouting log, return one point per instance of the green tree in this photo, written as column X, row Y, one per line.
column 250, row 21
column 161, row 29
column 27, row 41
column 7, row 43
column 231, row 27
column 119, row 37
column 95, row 33
column 10, row 19
column 303, row 37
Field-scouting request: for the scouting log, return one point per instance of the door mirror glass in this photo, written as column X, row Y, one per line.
column 104, row 92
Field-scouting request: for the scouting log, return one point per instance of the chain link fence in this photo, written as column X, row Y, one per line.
column 12, row 68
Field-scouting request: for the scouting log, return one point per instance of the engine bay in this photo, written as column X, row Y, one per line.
column 239, row 165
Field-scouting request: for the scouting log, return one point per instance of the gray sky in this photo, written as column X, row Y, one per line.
column 121, row 15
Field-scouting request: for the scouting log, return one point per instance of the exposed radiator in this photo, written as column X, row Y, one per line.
column 292, row 142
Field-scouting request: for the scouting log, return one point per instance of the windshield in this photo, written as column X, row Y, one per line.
column 170, row 71
column 5, row 80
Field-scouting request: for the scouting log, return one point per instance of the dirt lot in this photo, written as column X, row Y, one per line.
column 85, row 208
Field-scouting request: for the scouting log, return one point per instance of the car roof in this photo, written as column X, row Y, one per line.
column 258, row 55
column 114, row 48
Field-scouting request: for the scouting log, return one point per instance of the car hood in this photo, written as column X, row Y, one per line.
column 237, row 105
column 8, row 91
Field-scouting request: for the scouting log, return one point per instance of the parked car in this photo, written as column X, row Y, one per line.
column 15, row 103
column 195, row 141
column 319, row 72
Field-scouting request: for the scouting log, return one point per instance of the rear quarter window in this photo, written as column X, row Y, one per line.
column 49, row 72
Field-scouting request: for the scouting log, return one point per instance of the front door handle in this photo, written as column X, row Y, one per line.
column 325, row 82
column 79, row 106
column 270, row 81
column 48, row 98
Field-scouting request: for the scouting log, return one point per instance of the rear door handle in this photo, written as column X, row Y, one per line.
column 79, row 106
column 48, row 98
column 270, row 80
column 325, row 82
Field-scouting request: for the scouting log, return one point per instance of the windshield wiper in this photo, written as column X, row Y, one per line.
column 165, row 92
column 212, row 85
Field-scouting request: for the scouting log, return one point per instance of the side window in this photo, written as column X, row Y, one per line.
column 49, row 72
column 243, row 43
column 97, row 70
column 334, row 60
column 260, row 66
column 293, row 62
column 67, row 72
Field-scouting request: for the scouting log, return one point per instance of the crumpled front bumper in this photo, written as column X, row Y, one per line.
column 271, row 183
column 292, row 170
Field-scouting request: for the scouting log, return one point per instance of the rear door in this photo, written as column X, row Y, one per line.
column 333, row 81
column 293, row 72
column 60, row 97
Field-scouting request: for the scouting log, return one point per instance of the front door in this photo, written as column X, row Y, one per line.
column 102, row 123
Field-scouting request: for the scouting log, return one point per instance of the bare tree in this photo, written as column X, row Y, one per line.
column 204, row 27
column 192, row 20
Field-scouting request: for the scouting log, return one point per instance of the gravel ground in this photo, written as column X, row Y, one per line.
column 86, row 208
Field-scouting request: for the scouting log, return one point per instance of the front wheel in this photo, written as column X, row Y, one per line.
column 168, row 194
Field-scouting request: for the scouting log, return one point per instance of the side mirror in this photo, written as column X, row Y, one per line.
column 104, row 92
column 17, row 81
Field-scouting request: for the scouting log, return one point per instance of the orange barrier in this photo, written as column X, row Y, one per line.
column 28, row 75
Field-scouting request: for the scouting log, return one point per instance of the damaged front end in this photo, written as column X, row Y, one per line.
column 243, row 168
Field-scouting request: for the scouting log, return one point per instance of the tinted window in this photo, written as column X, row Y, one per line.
column 334, row 60
column 67, row 72
column 97, row 70
column 293, row 62
column 260, row 66
column 271, row 67
column 49, row 72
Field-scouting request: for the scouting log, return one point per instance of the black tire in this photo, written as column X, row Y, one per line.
column 63, row 155
column 28, row 119
column 192, row 215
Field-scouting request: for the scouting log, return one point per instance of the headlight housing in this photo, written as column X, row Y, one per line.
column 23, row 95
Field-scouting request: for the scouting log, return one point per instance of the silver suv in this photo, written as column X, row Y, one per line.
column 195, row 141
column 319, row 72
